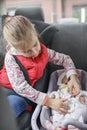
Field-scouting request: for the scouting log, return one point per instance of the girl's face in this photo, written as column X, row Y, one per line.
column 32, row 50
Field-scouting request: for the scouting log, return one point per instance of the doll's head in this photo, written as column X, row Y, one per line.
column 83, row 99
column 20, row 33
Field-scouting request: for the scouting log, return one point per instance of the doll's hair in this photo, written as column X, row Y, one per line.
column 18, row 31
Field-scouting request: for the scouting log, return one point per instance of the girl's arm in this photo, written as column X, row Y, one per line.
column 67, row 63
column 63, row 60
column 18, row 82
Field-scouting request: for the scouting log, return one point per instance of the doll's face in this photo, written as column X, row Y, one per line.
column 82, row 99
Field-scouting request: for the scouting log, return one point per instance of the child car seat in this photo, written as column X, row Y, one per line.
column 45, row 112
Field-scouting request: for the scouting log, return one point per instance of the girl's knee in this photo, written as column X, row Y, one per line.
column 18, row 104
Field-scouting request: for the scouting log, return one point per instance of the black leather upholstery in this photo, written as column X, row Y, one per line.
column 33, row 13
column 2, row 49
column 72, row 40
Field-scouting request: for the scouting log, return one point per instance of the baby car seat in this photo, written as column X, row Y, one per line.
column 44, row 113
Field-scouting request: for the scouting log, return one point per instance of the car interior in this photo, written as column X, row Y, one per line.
column 70, row 39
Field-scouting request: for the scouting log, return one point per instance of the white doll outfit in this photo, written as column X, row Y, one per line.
column 75, row 108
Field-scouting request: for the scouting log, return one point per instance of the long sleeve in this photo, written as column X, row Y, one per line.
column 62, row 59
column 18, row 82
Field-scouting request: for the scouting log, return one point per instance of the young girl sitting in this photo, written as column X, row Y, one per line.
column 22, row 41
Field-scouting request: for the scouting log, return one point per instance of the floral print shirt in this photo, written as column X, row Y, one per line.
column 17, row 79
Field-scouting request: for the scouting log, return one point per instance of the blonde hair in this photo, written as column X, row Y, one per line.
column 18, row 31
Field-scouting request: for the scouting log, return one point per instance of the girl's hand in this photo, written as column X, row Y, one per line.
column 74, row 86
column 58, row 105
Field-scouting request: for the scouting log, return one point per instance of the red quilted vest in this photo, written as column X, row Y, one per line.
column 35, row 67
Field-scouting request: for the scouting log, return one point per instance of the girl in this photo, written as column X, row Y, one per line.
column 22, row 41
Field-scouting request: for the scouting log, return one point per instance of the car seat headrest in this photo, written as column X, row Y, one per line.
column 33, row 13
